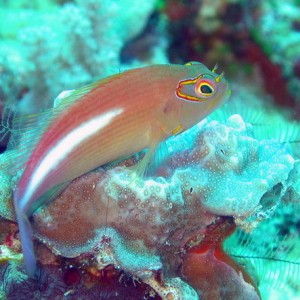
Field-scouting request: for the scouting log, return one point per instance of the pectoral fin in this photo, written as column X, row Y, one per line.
column 155, row 153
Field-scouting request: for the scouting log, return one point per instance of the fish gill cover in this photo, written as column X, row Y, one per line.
column 217, row 214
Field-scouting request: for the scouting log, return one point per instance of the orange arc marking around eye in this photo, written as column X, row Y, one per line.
column 186, row 82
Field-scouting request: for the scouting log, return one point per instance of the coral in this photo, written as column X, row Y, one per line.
column 107, row 212
column 70, row 280
column 278, row 20
column 113, row 236
column 241, row 175
column 293, row 192
column 35, row 4
column 8, row 255
column 208, row 268
column 17, row 285
column 105, row 197
column 80, row 41
column 233, row 33
column 270, row 253
column 6, row 209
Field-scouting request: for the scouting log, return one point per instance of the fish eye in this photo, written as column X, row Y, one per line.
column 205, row 89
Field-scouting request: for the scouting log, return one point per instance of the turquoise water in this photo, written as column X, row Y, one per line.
column 234, row 178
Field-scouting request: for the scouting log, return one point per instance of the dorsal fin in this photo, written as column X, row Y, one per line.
column 67, row 98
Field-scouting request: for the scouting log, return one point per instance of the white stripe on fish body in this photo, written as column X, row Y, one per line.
column 62, row 149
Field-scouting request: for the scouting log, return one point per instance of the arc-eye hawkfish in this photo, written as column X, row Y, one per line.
column 105, row 121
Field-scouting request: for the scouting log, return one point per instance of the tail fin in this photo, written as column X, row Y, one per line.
column 26, row 236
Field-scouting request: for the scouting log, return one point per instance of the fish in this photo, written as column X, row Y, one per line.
column 108, row 120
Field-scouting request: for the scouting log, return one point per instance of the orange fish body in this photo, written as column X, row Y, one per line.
column 109, row 120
